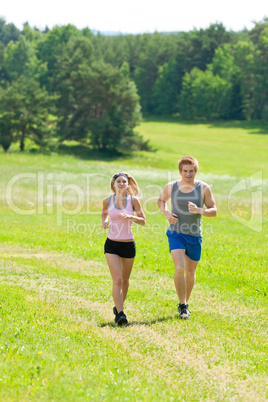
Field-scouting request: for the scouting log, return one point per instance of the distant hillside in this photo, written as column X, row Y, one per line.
column 117, row 33
column 108, row 33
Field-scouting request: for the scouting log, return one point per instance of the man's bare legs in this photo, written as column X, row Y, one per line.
column 178, row 257
column 190, row 270
column 184, row 278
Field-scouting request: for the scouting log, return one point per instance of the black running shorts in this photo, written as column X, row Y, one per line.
column 125, row 249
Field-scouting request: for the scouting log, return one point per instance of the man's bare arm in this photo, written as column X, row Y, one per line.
column 162, row 203
column 211, row 209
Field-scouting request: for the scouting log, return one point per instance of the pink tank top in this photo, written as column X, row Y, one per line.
column 120, row 229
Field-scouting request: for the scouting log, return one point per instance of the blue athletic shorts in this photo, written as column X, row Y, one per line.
column 191, row 244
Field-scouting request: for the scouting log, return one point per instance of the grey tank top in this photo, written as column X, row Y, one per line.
column 187, row 223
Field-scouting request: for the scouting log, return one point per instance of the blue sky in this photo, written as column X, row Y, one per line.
column 136, row 16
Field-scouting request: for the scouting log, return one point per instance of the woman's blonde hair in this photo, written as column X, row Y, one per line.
column 132, row 189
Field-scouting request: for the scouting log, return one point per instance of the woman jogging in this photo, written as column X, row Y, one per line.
column 120, row 250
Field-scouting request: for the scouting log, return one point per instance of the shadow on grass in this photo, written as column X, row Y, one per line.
column 253, row 126
column 86, row 153
column 77, row 151
column 136, row 323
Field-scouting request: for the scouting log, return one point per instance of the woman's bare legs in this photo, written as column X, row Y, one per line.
column 120, row 269
column 126, row 266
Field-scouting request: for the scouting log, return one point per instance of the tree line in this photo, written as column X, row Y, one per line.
column 68, row 84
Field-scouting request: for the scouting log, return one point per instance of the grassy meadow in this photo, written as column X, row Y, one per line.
column 58, row 340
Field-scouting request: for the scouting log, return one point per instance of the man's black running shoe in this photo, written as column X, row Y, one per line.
column 120, row 319
column 189, row 313
column 183, row 311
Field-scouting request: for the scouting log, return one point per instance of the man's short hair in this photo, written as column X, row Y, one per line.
column 188, row 160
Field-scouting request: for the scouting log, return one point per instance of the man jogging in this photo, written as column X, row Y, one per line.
column 188, row 197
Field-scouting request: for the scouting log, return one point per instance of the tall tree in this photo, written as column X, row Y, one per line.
column 206, row 95
column 8, row 32
column 25, row 113
column 156, row 50
column 244, row 60
column 104, row 106
column 223, row 65
column 6, row 130
column 50, row 48
column 259, row 37
column 203, row 44
column 16, row 58
column 165, row 94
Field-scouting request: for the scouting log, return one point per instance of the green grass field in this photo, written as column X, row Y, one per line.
column 58, row 340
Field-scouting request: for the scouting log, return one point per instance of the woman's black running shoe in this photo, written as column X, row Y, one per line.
column 120, row 319
column 115, row 311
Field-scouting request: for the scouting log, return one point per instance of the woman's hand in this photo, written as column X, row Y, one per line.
column 122, row 215
column 105, row 225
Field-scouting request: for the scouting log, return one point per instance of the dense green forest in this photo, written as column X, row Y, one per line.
column 69, row 84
